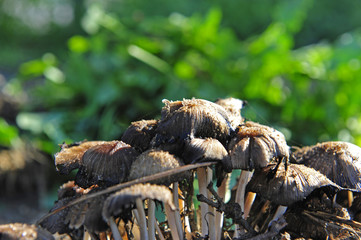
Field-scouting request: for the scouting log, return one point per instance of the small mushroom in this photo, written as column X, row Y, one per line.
column 106, row 164
column 194, row 118
column 70, row 155
column 233, row 107
column 339, row 161
column 253, row 147
column 22, row 231
column 140, row 133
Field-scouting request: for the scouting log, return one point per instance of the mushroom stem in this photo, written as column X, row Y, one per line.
column 114, row 228
column 86, row 235
column 211, row 210
column 279, row 212
column 171, row 222
column 240, row 192
column 221, row 191
column 160, row 234
column 250, row 197
column 151, row 219
column 204, row 177
column 176, row 212
column 142, row 220
column 349, row 198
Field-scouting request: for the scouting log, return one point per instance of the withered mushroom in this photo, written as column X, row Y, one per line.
column 21, row 231
column 339, row 161
column 233, row 107
column 140, row 133
column 209, row 149
column 106, row 164
column 254, row 147
column 194, row 118
column 136, row 194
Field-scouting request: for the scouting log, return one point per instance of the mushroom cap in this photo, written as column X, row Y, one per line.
column 106, row 164
column 140, row 133
column 155, row 161
column 195, row 118
column 21, row 231
column 255, row 145
column 126, row 197
column 198, row 149
column 288, row 186
column 339, row 161
column 233, row 107
column 70, row 155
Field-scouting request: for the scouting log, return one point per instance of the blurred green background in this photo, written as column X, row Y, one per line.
column 85, row 69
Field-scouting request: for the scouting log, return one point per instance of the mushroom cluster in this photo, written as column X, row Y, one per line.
column 142, row 186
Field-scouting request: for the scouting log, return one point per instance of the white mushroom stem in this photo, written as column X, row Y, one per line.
column 221, row 191
column 176, row 212
column 250, row 197
column 171, row 221
column 142, row 220
column 151, row 219
column 211, row 210
column 240, row 192
column 279, row 212
column 349, row 198
column 86, row 235
column 114, row 228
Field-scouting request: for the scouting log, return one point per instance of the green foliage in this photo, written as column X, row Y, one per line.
column 121, row 69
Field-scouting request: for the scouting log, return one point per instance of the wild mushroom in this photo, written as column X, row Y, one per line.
column 140, row 133
column 154, row 161
column 339, row 161
column 233, row 107
column 289, row 186
column 209, row 149
column 254, row 147
column 192, row 118
column 137, row 193
column 21, row 231
column 106, row 164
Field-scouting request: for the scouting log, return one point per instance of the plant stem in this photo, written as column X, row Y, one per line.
column 114, row 228
column 142, row 220
column 151, row 219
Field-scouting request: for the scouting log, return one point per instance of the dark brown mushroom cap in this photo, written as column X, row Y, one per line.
column 233, row 107
column 339, row 161
column 140, row 133
column 106, row 164
column 125, row 198
column 198, row 149
column 195, row 118
column 255, row 145
column 21, row 231
column 155, row 161
column 288, row 187
column 70, row 155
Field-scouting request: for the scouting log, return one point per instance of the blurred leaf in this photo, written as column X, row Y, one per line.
column 8, row 133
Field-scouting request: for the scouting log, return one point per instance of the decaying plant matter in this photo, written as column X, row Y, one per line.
column 141, row 187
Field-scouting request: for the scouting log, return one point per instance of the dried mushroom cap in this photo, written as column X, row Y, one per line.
column 140, row 133
column 70, row 155
column 21, row 231
column 198, row 149
column 255, row 145
column 155, row 161
column 288, row 186
column 233, row 107
column 339, row 161
column 126, row 197
column 195, row 118
column 106, row 164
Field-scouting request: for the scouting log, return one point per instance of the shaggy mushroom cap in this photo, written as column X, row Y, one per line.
column 198, row 150
column 339, row 161
column 21, row 231
column 140, row 133
column 255, row 145
column 288, row 186
column 125, row 198
column 195, row 118
column 155, row 161
column 70, row 155
column 106, row 164
column 233, row 107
